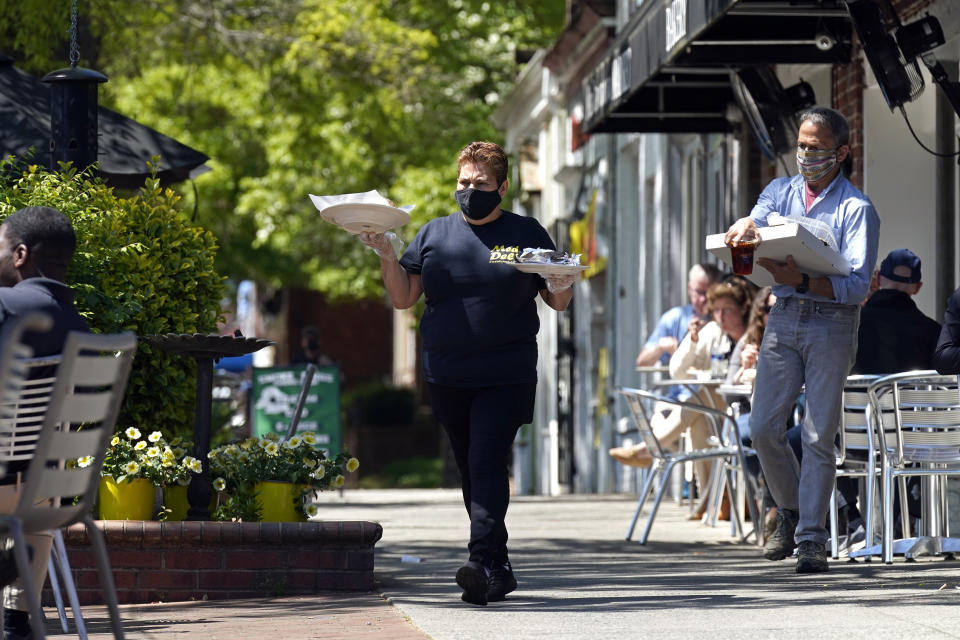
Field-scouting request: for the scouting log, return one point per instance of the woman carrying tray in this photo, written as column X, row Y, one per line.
column 479, row 333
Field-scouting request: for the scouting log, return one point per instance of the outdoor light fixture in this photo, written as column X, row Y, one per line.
column 73, row 108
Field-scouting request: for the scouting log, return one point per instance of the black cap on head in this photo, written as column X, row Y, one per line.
column 901, row 258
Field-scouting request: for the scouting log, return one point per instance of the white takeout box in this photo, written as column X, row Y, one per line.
column 812, row 255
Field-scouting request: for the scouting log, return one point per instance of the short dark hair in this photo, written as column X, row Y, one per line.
column 47, row 234
column 489, row 154
column 831, row 119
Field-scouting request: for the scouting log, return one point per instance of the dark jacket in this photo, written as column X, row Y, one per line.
column 894, row 335
column 54, row 298
column 946, row 358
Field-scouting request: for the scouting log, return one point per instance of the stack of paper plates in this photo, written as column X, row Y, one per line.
column 365, row 217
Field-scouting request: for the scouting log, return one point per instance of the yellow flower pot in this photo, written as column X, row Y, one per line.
column 127, row 500
column 276, row 501
column 175, row 499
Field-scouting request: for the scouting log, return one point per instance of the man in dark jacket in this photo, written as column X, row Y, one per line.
column 946, row 357
column 895, row 335
column 36, row 246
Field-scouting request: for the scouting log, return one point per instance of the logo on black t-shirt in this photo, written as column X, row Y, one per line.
column 502, row 253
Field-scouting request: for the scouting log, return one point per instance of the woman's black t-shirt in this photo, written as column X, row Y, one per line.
column 480, row 324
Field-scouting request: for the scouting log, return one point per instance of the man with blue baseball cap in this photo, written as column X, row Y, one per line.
column 894, row 334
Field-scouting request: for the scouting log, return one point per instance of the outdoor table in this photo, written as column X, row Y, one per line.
column 691, row 384
column 204, row 349
column 653, row 368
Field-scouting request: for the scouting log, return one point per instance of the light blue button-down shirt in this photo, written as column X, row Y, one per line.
column 850, row 216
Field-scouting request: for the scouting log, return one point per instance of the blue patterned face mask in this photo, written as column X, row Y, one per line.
column 813, row 164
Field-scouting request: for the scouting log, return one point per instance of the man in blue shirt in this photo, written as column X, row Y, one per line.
column 811, row 335
column 663, row 341
column 673, row 324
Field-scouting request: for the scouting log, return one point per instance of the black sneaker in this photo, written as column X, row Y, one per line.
column 501, row 582
column 780, row 545
column 472, row 578
column 812, row 557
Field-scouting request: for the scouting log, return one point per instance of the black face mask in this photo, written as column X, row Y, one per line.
column 477, row 204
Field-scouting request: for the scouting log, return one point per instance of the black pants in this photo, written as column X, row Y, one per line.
column 482, row 423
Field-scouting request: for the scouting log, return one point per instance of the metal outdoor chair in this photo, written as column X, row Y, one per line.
column 917, row 424
column 82, row 410
column 18, row 439
column 856, row 453
column 728, row 451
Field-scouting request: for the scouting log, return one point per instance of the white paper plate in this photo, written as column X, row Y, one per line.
column 547, row 269
column 365, row 217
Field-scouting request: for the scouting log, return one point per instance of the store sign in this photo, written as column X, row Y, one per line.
column 676, row 19
column 608, row 82
column 275, row 392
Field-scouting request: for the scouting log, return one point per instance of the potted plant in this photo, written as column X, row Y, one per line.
column 134, row 466
column 270, row 479
column 178, row 470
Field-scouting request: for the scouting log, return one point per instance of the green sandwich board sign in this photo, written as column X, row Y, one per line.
column 275, row 392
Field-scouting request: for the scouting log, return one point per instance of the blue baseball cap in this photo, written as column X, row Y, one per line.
column 901, row 258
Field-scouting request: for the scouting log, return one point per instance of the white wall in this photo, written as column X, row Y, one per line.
column 900, row 179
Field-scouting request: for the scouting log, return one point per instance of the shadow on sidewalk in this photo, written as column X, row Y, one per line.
column 600, row 575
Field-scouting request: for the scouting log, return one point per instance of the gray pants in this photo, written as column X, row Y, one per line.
column 814, row 344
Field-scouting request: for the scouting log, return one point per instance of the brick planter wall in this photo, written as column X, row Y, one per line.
column 178, row 561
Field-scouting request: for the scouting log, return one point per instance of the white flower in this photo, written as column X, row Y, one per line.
column 318, row 473
column 153, row 452
column 264, row 443
column 219, row 484
column 338, row 482
column 85, row 461
column 293, row 442
column 132, row 432
column 309, row 463
column 271, row 449
column 153, row 437
column 352, row 464
column 312, row 509
column 193, row 464
column 114, row 441
column 131, row 467
column 309, row 438
column 140, row 446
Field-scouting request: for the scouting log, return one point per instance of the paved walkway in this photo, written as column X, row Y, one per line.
column 578, row 579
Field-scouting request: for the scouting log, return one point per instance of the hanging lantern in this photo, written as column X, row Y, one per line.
column 73, row 108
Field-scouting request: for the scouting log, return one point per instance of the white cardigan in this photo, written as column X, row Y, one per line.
column 696, row 355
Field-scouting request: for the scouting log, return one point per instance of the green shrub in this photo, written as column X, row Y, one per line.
column 139, row 266
column 379, row 404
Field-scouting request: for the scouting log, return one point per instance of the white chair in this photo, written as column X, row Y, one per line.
column 918, row 427
column 79, row 421
column 728, row 452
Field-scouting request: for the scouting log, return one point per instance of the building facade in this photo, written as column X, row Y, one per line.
column 636, row 135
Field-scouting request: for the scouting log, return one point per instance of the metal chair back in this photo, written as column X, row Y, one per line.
column 62, row 478
column 728, row 449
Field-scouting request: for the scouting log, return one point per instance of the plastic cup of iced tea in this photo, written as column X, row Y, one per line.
column 741, row 256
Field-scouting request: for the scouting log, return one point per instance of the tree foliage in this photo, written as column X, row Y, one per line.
column 291, row 97
column 139, row 266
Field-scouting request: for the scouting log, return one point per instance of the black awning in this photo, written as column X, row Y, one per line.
column 669, row 69
column 125, row 145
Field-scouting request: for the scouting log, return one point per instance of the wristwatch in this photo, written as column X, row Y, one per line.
column 804, row 285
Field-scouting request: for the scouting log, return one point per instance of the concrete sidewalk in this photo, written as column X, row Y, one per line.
column 578, row 579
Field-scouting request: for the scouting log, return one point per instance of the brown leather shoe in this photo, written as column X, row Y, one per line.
column 633, row 456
